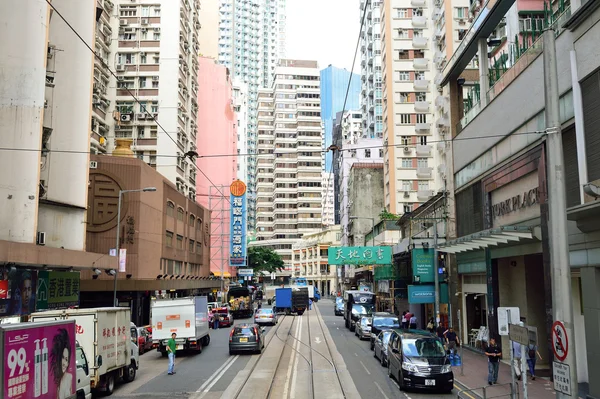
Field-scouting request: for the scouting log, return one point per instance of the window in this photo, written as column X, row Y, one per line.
column 418, row 12
column 179, row 242
column 419, row 75
column 406, row 185
column 403, row 55
column 403, row 98
column 404, row 76
column 402, row 13
column 170, row 208
column 142, row 82
column 192, row 245
column 381, row 153
column 407, row 162
column 145, row 12
column 420, row 96
column 461, row 12
column 156, row 36
column 180, row 214
column 421, row 118
column 461, row 34
column 405, row 119
column 402, row 34
column 367, row 153
column 423, row 185
column 418, row 33
column 422, row 163
column 192, row 220
column 407, row 208
column 423, row 140
column 405, row 140
column 169, row 239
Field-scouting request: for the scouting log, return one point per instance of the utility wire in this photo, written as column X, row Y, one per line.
column 142, row 106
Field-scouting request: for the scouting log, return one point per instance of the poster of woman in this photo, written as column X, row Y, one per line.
column 60, row 360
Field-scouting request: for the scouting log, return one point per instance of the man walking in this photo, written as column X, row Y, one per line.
column 413, row 322
column 494, row 354
column 216, row 319
column 516, row 348
column 171, row 349
column 452, row 340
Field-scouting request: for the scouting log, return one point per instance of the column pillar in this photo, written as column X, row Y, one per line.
column 590, row 286
column 484, row 82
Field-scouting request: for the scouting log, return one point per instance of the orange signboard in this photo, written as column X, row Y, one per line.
column 237, row 188
column 173, row 317
column 187, row 324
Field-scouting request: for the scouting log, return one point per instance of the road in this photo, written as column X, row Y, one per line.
column 369, row 377
column 210, row 371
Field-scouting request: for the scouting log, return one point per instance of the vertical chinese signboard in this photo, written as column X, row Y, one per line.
column 57, row 290
column 237, row 246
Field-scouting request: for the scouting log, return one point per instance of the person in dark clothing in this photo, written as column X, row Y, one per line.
column 404, row 320
column 452, row 339
column 494, row 353
column 440, row 331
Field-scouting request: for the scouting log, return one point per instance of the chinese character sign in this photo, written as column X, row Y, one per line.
column 359, row 255
column 238, row 220
column 39, row 362
column 57, row 290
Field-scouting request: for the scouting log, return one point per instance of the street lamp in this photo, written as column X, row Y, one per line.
column 372, row 226
column 121, row 192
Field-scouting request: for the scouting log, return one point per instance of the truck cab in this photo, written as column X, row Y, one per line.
column 84, row 388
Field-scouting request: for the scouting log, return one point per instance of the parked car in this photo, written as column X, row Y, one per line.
column 144, row 340
column 246, row 337
column 381, row 346
column 265, row 316
column 363, row 328
column 417, row 359
column 226, row 317
column 338, row 309
column 382, row 321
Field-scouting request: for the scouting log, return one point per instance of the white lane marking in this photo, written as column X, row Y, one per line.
column 317, row 340
column 365, row 367
column 227, row 364
column 380, row 389
column 295, row 373
column 355, row 354
column 338, row 328
column 286, row 386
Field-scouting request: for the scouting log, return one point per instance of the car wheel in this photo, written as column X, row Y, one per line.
column 231, row 353
column 375, row 354
column 382, row 361
column 110, row 384
column 129, row 373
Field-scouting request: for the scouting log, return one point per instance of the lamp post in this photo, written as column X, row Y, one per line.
column 121, row 192
column 372, row 226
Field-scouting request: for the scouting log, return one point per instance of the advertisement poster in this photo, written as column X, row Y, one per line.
column 57, row 290
column 39, row 362
column 20, row 295
column 422, row 264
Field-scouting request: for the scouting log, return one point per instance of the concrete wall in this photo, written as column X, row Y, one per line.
column 366, row 195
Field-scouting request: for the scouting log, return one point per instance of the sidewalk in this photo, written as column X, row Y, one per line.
column 475, row 377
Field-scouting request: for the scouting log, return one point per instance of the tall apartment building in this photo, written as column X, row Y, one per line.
column 370, row 69
column 334, row 85
column 327, row 198
column 289, row 158
column 251, row 40
column 152, row 47
column 240, row 106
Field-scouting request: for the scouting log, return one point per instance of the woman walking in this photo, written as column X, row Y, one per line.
column 530, row 354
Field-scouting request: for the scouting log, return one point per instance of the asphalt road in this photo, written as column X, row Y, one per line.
column 204, row 375
column 369, row 377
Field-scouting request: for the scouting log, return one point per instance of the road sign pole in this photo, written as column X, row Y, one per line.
column 513, row 391
column 461, row 334
column 524, row 370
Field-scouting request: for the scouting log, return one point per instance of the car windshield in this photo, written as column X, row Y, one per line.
column 386, row 322
column 361, row 309
column 365, row 321
column 265, row 311
column 244, row 331
column 339, row 300
column 423, row 347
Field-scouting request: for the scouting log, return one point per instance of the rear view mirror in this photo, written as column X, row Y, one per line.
column 395, row 350
column 99, row 360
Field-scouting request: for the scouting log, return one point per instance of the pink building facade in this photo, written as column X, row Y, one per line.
column 217, row 135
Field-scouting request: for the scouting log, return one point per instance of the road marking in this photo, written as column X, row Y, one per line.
column 317, row 340
column 295, row 372
column 291, row 364
column 365, row 367
column 338, row 328
column 355, row 354
column 220, row 371
column 380, row 390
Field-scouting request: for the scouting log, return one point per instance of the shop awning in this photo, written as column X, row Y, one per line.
column 218, row 274
column 491, row 237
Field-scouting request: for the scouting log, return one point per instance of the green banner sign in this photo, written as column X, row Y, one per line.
column 57, row 290
column 426, row 293
column 422, row 265
column 359, row 255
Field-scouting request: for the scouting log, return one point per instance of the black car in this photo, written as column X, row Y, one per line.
column 417, row 359
column 338, row 309
column 382, row 321
column 246, row 337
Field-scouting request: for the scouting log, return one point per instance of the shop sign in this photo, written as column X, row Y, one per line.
column 359, row 255
column 562, row 377
column 515, row 203
column 238, row 221
column 422, row 265
column 245, row 272
column 426, row 293
column 57, row 290
column 20, row 293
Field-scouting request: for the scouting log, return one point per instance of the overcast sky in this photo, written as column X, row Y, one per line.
column 323, row 30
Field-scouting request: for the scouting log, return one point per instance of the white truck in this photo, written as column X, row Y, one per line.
column 105, row 336
column 187, row 317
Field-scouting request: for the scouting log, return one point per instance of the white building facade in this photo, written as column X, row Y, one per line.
column 240, row 106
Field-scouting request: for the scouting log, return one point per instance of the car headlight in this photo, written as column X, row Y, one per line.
column 446, row 368
column 410, row 367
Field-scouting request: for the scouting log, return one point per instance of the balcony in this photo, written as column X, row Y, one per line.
column 419, row 42
column 423, row 127
column 418, row 3
column 424, row 194
column 421, row 63
column 423, row 150
column 424, row 172
column 421, row 106
column 419, row 21
column 421, row 85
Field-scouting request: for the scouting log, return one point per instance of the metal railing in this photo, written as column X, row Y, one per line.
column 487, row 392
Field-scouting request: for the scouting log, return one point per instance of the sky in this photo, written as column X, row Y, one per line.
column 323, row 30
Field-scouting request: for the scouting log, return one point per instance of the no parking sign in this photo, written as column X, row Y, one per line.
column 560, row 341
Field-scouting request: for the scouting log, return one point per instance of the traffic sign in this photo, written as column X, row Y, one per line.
column 560, row 341
column 504, row 320
column 518, row 334
column 245, row 272
column 561, row 374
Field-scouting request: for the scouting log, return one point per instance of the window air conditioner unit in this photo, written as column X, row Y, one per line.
column 120, row 67
column 144, row 21
column 41, row 238
column 122, row 22
column 141, row 116
column 125, row 118
column 406, row 149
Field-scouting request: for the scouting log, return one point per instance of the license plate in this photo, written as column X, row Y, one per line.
column 264, row 317
column 429, row 383
column 243, row 339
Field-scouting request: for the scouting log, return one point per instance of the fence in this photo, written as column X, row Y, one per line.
column 489, row 392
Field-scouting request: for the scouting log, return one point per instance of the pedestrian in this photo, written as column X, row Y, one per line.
column 441, row 333
column 452, row 340
column 171, row 349
column 216, row 319
column 516, row 348
column 430, row 326
column 530, row 353
column 494, row 353
column 310, row 304
column 413, row 322
column 404, row 321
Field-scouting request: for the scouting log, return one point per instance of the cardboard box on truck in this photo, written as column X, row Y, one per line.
column 105, row 336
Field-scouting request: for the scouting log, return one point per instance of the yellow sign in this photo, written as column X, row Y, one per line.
column 237, row 188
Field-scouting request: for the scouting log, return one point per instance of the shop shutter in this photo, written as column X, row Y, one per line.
column 590, row 92
column 469, row 210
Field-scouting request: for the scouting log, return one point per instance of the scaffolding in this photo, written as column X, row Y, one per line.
column 218, row 203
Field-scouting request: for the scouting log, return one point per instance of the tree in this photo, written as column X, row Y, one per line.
column 262, row 259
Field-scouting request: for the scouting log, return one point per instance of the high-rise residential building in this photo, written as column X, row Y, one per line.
column 251, row 40
column 217, row 135
column 209, row 35
column 289, row 158
column 240, row 106
column 370, row 69
column 327, row 200
column 334, row 85
column 153, row 49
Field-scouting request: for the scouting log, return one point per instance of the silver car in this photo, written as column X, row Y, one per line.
column 363, row 328
column 381, row 346
column 265, row 316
